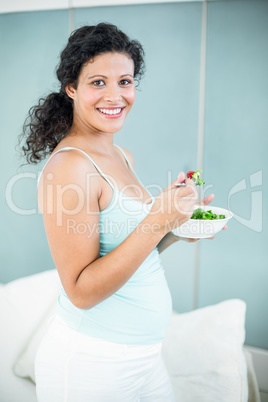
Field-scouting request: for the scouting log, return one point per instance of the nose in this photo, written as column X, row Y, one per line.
column 112, row 93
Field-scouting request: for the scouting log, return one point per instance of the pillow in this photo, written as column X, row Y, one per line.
column 24, row 365
column 203, row 353
column 23, row 304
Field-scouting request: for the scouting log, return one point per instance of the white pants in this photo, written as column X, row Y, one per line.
column 74, row 367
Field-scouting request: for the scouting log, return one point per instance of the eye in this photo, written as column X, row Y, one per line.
column 125, row 82
column 98, row 83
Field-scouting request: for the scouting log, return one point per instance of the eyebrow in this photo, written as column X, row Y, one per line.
column 104, row 76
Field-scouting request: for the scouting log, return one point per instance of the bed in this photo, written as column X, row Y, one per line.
column 203, row 349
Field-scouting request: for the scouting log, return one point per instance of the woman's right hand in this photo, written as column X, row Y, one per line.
column 174, row 205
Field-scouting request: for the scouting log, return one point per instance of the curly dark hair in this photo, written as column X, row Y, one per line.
column 49, row 121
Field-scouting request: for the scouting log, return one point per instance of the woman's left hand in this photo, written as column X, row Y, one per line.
column 205, row 201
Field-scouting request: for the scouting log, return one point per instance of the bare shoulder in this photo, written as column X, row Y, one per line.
column 129, row 155
column 70, row 168
column 68, row 163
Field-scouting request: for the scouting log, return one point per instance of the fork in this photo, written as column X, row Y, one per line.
column 180, row 184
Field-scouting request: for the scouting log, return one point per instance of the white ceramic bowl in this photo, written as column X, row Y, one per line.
column 201, row 228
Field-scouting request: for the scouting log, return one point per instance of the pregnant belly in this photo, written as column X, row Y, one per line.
column 135, row 314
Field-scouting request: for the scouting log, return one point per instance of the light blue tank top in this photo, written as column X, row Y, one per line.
column 140, row 311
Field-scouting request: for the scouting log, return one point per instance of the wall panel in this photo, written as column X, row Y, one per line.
column 235, row 160
column 30, row 45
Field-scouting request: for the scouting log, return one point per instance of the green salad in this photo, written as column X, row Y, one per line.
column 195, row 176
column 199, row 213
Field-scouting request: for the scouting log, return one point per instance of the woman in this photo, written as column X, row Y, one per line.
column 104, row 230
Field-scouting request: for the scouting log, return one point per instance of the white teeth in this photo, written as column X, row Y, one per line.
column 107, row 111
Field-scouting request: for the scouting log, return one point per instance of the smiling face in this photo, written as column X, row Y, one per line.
column 105, row 93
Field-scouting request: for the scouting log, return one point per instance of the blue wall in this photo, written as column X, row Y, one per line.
column 162, row 133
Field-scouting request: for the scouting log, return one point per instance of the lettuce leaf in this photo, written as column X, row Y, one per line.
column 197, row 179
column 199, row 213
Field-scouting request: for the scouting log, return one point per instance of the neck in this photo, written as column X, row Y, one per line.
column 97, row 142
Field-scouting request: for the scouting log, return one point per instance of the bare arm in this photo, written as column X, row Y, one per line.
column 86, row 277
column 167, row 241
column 107, row 274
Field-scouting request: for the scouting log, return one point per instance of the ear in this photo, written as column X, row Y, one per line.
column 70, row 91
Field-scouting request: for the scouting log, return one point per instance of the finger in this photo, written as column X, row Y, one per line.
column 192, row 240
column 189, row 189
column 225, row 227
column 211, row 238
column 207, row 200
column 179, row 179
